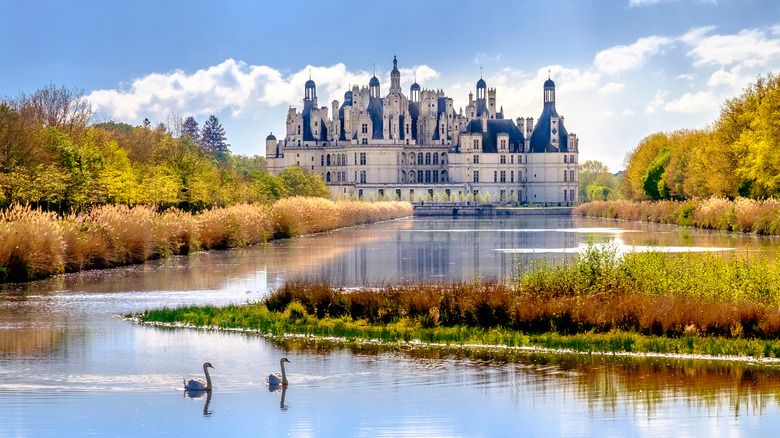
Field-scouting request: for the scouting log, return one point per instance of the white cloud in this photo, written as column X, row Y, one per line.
column 481, row 57
column 231, row 85
column 686, row 77
column 623, row 58
column 693, row 103
column 750, row 47
column 658, row 101
column 611, row 88
column 639, row 3
column 776, row 29
column 628, row 112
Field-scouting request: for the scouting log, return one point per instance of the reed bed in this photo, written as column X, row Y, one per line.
column 742, row 214
column 600, row 291
column 36, row 244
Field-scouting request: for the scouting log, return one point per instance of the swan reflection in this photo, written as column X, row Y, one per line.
column 283, row 389
column 197, row 395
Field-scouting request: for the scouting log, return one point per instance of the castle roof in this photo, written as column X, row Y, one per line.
column 494, row 128
column 270, row 137
column 540, row 138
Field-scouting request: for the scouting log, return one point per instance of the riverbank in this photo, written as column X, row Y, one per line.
column 35, row 244
column 741, row 214
column 689, row 303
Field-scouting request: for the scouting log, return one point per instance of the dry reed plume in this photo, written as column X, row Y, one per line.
column 742, row 214
column 36, row 244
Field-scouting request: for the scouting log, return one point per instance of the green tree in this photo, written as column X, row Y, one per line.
column 213, row 137
column 597, row 174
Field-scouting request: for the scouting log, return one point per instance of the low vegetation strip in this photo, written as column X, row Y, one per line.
column 600, row 301
column 741, row 214
column 36, row 244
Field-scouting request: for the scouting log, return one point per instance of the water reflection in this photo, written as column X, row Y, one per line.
column 283, row 390
column 65, row 351
column 198, row 395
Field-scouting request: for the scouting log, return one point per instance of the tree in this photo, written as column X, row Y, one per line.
column 213, row 139
column 190, row 129
column 596, row 174
column 53, row 107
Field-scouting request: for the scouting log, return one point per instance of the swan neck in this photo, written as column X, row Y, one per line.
column 284, row 375
column 208, row 378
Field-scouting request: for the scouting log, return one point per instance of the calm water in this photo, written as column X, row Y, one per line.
column 71, row 366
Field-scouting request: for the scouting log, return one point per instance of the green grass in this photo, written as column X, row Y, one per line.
column 257, row 317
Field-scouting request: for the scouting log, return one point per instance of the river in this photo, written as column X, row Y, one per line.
column 70, row 365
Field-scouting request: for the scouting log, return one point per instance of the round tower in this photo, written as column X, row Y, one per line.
column 373, row 87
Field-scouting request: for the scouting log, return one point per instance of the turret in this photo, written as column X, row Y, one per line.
column 395, row 77
column 310, row 96
column 271, row 150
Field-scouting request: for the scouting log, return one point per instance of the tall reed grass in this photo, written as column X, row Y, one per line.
column 599, row 291
column 742, row 214
column 35, row 244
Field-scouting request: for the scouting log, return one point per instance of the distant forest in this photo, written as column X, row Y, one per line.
column 52, row 156
column 739, row 155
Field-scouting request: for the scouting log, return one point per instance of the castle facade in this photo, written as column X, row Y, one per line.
column 418, row 148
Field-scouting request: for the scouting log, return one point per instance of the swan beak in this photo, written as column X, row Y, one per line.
column 211, row 366
column 287, row 361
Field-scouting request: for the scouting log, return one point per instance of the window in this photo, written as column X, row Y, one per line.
column 362, row 158
column 427, row 158
column 565, row 197
column 360, row 193
column 495, row 176
column 362, row 176
column 299, row 129
column 571, row 175
column 427, row 176
column 365, row 128
column 503, row 144
column 503, row 176
column 476, row 176
column 503, row 159
column 436, row 158
column 511, row 176
column 476, row 159
column 512, row 159
column 502, row 195
column 435, row 176
column 420, row 158
column 420, row 176
column 565, row 173
column 322, row 160
column 564, row 160
column 476, row 143
column 571, row 158
column 398, row 193
column 365, row 141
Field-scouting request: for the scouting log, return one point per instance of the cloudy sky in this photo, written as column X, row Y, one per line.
column 623, row 69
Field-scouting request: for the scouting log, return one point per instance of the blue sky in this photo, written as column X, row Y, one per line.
column 623, row 69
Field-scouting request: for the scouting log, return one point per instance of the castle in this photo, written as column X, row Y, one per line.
column 419, row 148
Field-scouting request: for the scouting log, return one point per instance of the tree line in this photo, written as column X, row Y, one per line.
column 52, row 156
column 738, row 156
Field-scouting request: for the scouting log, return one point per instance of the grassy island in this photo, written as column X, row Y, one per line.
column 692, row 303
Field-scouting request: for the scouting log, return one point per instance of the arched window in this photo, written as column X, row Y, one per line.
column 420, row 158
column 435, row 158
column 327, row 177
column 328, row 160
column 427, row 158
